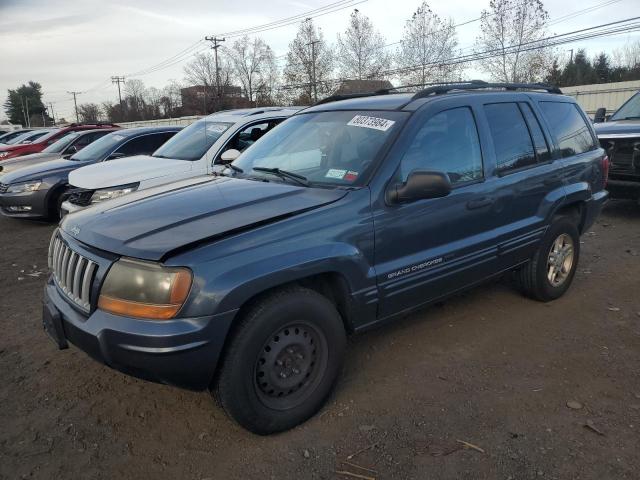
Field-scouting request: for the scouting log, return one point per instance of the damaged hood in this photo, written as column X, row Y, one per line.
column 151, row 223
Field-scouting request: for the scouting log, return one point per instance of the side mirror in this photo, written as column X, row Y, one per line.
column 229, row 155
column 116, row 155
column 420, row 185
column 71, row 150
column 600, row 116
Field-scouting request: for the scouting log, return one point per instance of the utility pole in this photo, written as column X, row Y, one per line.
column 24, row 114
column 26, row 100
column 53, row 115
column 119, row 80
column 571, row 61
column 313, row 68
column 75, row 103
column 215, row 44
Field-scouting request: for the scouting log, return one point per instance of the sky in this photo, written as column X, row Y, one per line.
column 77, row 45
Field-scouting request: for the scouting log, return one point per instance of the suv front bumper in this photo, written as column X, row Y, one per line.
column 182, row 352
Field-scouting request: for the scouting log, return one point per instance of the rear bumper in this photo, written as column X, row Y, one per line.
column 624, row 188
column 593, row 208
column 25, row 204
column 182, row 352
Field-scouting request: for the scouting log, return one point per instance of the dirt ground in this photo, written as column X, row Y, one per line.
column 489, row 367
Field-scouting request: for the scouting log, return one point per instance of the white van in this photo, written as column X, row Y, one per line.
column 190, row 153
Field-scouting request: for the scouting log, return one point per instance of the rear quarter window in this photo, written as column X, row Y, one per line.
column 568, row 127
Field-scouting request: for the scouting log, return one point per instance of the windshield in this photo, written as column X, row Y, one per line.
column 27, row 136
column 631, row 109
column 333, row 148
column 192, row 142
column 60, row 145
column 99, row 149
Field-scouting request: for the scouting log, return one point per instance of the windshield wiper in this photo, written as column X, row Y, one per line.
column 234, row 167
column 300, row 179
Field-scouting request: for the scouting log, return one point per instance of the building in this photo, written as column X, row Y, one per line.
column 608, row 95
column 361, row 86
column 201, row 99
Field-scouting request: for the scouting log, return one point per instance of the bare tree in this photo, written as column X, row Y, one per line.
column 251, row 59
column 89, row 113
column 627, row 56
column 509, row 29
column 134, row 90
column 360, row 50
column 428, row 43
column 201, row 71
column 309, row 64
column 153, row 98
column 171, row 98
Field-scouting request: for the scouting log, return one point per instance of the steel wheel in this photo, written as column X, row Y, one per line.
column 290, row 366
column 560, row 260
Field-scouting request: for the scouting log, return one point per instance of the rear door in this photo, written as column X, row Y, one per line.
column 431, row 247
column 527, row 180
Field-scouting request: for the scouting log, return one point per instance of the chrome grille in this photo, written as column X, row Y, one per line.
column 73, row 272
column 4, row 187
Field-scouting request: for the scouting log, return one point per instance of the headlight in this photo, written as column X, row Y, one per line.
column 113, row 192
column 24, row 187
column 144, row 290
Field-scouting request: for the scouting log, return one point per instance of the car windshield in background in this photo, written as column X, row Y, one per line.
column 333, row 148
column 98, row 149
column 630, row 110
column 61, row 144
column 27, row 136
column 192, row 142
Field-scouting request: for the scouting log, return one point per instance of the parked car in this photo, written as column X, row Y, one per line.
column 620, row 137
column 4, row 138
column 39, row 190
column 63, row 148
column 349, row 214
column 23, row 139
column 39, row 144
column 191, row 153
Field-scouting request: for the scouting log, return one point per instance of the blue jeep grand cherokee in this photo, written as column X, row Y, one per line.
column 349, row 214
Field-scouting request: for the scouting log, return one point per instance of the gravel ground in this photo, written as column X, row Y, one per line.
column 489, row 367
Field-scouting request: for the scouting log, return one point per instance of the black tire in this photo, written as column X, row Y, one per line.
column 533, row 278
column 55, row 211
column 282, row 361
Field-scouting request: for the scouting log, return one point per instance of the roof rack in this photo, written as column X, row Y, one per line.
column 481, row 84
column 347, row 96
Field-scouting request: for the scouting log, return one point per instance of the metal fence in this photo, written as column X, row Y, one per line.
column 608, row 95
column 161, row 122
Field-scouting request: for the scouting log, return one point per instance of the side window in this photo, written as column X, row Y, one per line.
column 145, row 145
column 569, row 128
column 86, row 139
column 539, row 142
column 511, row 138
column 249, row 135
column 448, row 142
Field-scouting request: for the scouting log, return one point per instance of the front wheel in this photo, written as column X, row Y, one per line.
column 283, row 360
column 551, row 270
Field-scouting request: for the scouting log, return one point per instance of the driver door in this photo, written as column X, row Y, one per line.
column 427, row 248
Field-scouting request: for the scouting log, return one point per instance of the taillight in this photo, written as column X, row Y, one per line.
column 605, row 170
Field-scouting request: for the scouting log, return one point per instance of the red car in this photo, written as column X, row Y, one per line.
column 18, row 150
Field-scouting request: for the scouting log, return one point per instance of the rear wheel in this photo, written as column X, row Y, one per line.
column 551, row 270
column 282, row 361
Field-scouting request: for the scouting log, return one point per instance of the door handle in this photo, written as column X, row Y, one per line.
column 480, row 203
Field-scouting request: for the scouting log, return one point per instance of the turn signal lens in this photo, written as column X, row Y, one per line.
column 144, row 290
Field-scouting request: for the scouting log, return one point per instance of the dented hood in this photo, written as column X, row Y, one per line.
column 151, row 223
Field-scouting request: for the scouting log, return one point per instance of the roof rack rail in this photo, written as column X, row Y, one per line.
column 481, row 84
column 347, row 96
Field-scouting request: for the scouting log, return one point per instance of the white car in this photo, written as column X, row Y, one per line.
column 192, row 152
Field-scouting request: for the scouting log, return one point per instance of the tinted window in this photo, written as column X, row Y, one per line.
column 511, row 139
column 568, row 127
column 61, row 144
column 145, row 144
column 247, row 136
column 539, row 142
column 448, row 142
column 630, row 110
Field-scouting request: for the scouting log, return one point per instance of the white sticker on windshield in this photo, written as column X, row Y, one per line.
column 335, row 173
column 371, row 122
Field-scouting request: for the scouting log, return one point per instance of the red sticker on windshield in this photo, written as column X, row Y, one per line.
column 350, row 176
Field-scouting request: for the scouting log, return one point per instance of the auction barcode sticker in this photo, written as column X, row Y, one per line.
column 371, row 122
